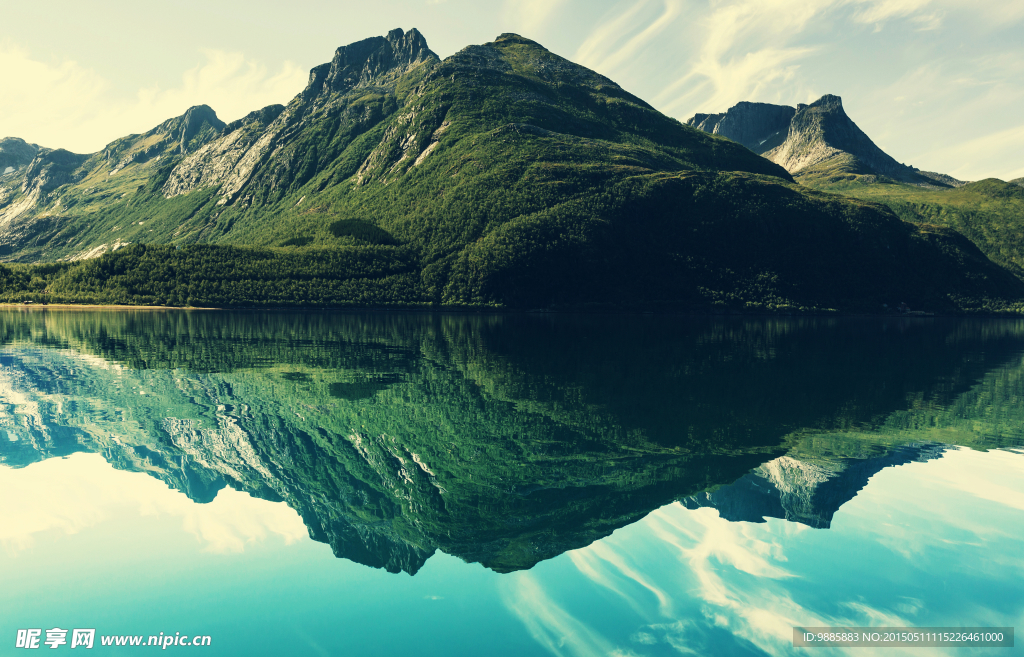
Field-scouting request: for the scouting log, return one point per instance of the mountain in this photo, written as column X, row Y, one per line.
column 825, row 150
column 758, row 126
column 812, row 141
column 15, row 153
column 804, row 492
column 1018, row 181
column 500, row 439
column 988, row 212
column 502, row 176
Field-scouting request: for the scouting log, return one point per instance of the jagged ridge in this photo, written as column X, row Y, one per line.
column 812, row 139
column 504, row 175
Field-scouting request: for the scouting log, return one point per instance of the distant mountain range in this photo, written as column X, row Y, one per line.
column 503, row 176
column 825, row 150
column 812, row 139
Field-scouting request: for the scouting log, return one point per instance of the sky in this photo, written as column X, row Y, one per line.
column 937, row 84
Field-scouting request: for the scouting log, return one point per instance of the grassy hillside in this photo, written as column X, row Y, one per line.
column 504, row 176
column 990, row 212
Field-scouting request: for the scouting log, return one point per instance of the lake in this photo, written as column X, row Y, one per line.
column 313, row 483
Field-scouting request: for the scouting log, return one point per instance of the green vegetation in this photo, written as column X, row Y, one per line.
column 662, row 242
column 990, row 212
column 395, row 434
column 222, row 276
column 504, row 176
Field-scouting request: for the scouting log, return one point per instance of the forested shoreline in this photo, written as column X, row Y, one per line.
column 386, row 277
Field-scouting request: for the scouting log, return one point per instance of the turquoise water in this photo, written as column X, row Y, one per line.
column 451, row 485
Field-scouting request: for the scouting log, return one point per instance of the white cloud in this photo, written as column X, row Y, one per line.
column 919, row 88
column 623, row 53
column 83, row 491
column 593, row 562
column 929, row 117
column 607, row 34
column 65, row 105
column 878, row 11
column 558, row 631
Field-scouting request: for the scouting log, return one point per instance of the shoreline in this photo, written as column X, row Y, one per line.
column 469, row 310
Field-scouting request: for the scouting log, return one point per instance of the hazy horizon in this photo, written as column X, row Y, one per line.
column 937, row 84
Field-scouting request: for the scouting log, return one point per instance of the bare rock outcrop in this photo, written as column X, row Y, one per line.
column 239, row 154
column 822, row 131
column 817, row 135
column 15, row 153
column 758, row 126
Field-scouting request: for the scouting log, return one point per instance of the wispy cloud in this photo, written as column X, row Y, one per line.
column 558, row 631
column 878, row 11
column 627, row 46
column 881, row 55
column 593, row 561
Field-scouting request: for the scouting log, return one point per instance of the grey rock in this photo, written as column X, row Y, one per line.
column 243, row 151
column 16, row 153
column 261, row 117
column 809, row 135
column 52, row 168
column 821, row 131
column 758, row 126
column 371, row 62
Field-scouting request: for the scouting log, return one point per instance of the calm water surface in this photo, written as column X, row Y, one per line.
column 381, row 484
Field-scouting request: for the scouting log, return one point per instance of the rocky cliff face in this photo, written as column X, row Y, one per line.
column 36, row 199
column 51, row 169
column 377, row 61
column 758, row 126
column 15, row 153
column 266, row 144
column 822, row 131
column 811, row 139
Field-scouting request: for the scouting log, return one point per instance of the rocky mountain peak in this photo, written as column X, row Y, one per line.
column 50, row 169
column 828, row 101
column 758, row 126
column 197, row 126
column 822, row 131
column 194, row 121
column 809, row 135
column 15, row 153
column 512, row 37
column 370, row 62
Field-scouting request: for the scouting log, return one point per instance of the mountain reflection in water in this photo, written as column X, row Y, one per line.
column 504, row 440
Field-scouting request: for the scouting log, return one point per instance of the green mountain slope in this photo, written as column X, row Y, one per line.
column 503, row 176
column 500, row 439
column 989, row 212
column 825, row 150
